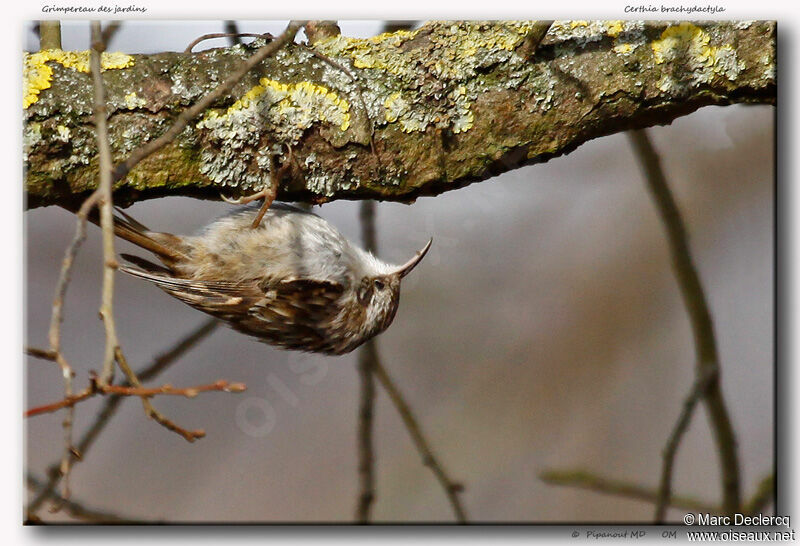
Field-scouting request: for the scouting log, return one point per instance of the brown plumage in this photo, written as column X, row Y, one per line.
column 293, row 281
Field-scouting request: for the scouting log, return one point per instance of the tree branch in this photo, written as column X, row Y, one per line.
column 707, row 364
column 106, row 201
column 445, row 105
column 50, row 34
column 76, row 509
column 592, row 482
column 367, row 357
column 160, row 363
column 451, row 488
column 142, row 392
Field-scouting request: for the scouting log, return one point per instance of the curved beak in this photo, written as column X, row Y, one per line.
column 406, row 268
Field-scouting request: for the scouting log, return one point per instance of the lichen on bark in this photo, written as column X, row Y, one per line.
column 395, row 116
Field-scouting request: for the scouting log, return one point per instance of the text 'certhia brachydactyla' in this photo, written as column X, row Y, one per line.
column 294, row 281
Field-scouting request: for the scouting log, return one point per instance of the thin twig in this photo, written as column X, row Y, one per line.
column 367, row 356
column 237, row 35
column 108, row 33
column 152, row 412
column 113, row 352
column 531, row 42
column 106, row 204
column 44, row 354
column 366, row 457
column 160, row 363
column 144, row 392
column 681, row 425
column 450, row 487
column 233, row 29
column 700, row 318
column 54, row 333
column 765, row 493
column 77, row 509
column 200, row 106
column 586, row 480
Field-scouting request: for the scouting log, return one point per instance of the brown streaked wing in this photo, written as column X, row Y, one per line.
column 295, row 313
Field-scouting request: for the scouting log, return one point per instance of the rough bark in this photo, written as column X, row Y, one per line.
column 392, row 117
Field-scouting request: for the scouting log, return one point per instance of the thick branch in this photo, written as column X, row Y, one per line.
column 413, row 113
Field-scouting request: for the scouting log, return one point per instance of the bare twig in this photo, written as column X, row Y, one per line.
column 232, row 28
column 765, row 493
column 144, row 392
column 450, row 487
column 235, row 35
column 76, row 509
column 49, row 35
column 106, row 204
column 108, row 33
column 531, row 43
column 152, row 412
column 366, row 457
column 702, row 327
column 586, row 480
column 44, row 354
column 160, row 363
column 189, row 114
column 54, row 334
column 369, row 365
column 367, row 356
column 699, row 389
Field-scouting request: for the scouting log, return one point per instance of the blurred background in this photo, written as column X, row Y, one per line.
column 544, row 330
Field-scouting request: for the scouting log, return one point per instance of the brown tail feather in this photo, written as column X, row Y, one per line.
column 136, row 233
column 145, row 264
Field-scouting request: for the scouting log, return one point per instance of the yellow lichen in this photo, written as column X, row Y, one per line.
column 63, row 133
column 624, row 48
column 448, row 58
column 456, row 43
column 133, row 101
column 394, row 107
column 614, row 28
column 37, row 75
column 305, row 101
column 695, row 43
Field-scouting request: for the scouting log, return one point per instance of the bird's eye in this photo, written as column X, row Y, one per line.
column 379, row 285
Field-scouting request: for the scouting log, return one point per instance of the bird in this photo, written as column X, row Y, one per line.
column 293, row 281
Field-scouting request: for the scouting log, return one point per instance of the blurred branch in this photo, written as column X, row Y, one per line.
column 586, row 480
column 366, row 457
column 707, row 365
column 109, row 409
column 765, row 493
column 232, row 29
column 367, row 357
column 699, row 389
column 436, row 121
column 50, row 34
column 76, row 509
column 108, row 33
column 451, row 488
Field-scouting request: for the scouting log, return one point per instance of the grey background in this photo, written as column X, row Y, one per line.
column 544, row 330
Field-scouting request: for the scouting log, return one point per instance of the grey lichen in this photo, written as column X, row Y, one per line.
column 436, row 68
